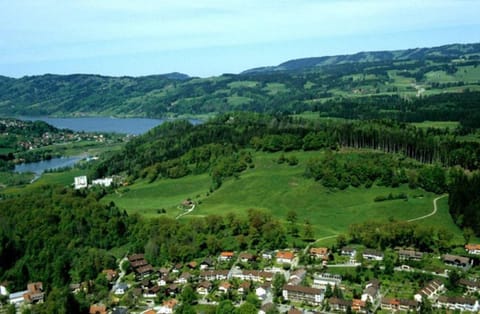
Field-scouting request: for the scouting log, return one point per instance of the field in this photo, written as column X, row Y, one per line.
column 278, row 188
column 452, row 125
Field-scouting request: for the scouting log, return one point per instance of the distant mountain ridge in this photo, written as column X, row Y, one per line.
column 445, row 51
column 382, row 78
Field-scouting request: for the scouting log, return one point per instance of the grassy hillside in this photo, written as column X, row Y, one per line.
column 390, row 79
column 278, row 188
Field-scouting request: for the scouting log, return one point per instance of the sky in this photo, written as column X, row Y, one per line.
column 211, row 37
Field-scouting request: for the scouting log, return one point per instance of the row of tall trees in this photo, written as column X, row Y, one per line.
column 464, row 200
column 179, row 148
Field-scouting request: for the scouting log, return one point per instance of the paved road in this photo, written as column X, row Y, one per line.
column 432, row 213
column 122, row 273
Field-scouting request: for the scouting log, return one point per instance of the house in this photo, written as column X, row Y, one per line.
column 267, row 255
column 246, row 257
column 168, row 307
column 262, row 291
column 120, row 289
column 144, row 270
column 390, row 304
column 184, row 278
column 348, row 251
column 3, row 290
column 214, row 275
column 192, row 265
column 319, row 252
column 173, row 289
column 204, row 287
column 456, row 260
column 409, row 255
column 16, row 298
column 371, row 291
column 294, row 310
column 340, row 305
column 135, row 257
column 177, row 268
column 285, row 257
column 308, row 295
column 224, row 287
column 74, row 288
column 430, row 290
column 409, row 305
column 34, row 293
column 206, row 263
column 244, row 287
column 164, row 271
column 297, row 276
column 151, row 292
column 254, row 275
column 120, row 310
column 470, row 285
column 372, row 255
column 358, row 306
column 458, row 303
column 473, row 249
column 404, row 305
column 162, row 281
column 225, row 256
column 110, row 274
column 141, row 267
column 106, row 182
column 98, row 309
column 321, row 281
column 80, row 182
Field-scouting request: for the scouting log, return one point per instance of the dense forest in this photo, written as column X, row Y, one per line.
column 179, row 148
column 464, row 200
column 61, row 236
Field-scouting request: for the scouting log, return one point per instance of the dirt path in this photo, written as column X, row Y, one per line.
column 410, row 220
column 432, row 213
column 187, row 212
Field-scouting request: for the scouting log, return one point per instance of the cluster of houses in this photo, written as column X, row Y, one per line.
column 206, row 278
column 32, row 295
column 222, row 276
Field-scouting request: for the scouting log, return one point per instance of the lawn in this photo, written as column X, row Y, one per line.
column 278, row 188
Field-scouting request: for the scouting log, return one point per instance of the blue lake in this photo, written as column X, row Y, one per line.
column 41, row 166
column 134, row 126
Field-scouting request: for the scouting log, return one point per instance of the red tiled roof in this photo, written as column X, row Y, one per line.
column 285, row 255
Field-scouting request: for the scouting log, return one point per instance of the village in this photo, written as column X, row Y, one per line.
column 314, row 280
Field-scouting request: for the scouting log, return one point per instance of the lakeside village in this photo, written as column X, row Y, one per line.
column 351, row 279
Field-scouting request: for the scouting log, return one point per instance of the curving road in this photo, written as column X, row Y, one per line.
column 432, row 213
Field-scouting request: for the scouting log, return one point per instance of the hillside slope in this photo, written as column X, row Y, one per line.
column 387, row 80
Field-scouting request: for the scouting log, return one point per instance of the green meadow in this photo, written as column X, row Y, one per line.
column 279, row 188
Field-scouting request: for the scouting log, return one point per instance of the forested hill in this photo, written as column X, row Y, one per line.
column 442, row 52
column 396, row 84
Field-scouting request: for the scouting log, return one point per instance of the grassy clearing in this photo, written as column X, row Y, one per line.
column 277, row 188
column 437, row 124
column 145, row 199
